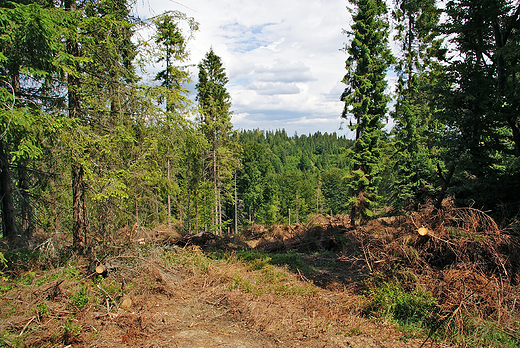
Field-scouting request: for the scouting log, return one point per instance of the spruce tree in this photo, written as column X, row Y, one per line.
column 482, row 106
column 417, row 68
column 172, row 52
column 215, row 119
column 365, row 99
column 29, row 45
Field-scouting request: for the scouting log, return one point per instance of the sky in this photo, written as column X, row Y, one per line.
column 283, row 58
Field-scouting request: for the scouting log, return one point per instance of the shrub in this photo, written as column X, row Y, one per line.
column 415, row 309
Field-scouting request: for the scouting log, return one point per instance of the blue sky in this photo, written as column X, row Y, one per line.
column 283, row 58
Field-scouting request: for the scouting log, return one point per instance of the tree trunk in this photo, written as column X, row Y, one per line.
column 8, row 213
column 23, row 183
column 189, row 196
column 78, row 186
column 215, row 185
column 236, row 204
column 169, row 197
column 78, row 209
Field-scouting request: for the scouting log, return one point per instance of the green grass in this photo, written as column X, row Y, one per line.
column 478, row 333
column 81, row 298
column 417, row 315
column 412, row 311
column 256, row 272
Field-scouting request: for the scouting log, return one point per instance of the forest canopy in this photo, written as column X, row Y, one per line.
column 87, row 148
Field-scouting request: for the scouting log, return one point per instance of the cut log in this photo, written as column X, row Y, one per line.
column 126, row 303
column 422, row 231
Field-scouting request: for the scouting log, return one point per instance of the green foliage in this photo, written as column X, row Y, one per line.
column 3, row 262
column 272, row 162
column 196, row 260
column 366, row 101
column 70, row 331
column 112, row 290
column 172, row 49
column 81, row 297
column 241, row 284
column 479, row 105
column 291, row 259
column 215, row 124
column 255, row 182
column 416, row 309
column 21, row 258
column 42, row 309
column 414, row 163
column 476, row 332
column 335, row 190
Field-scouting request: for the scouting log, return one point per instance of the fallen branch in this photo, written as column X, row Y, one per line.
column 26, row 325
column 110, row 297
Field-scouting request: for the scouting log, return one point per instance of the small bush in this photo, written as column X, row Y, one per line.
column 80, row 298
column 417, row 309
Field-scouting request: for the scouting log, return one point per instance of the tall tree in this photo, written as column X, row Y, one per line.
column 79, row 223
column 29, row 45
column 99, row 75
column 215, row 116
column 482, row 107
column 365, row 99
column 254, row 180
column 172, row 52
column 418, row 36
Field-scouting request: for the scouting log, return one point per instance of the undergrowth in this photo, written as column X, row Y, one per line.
column 252, row 271
column 415, row 312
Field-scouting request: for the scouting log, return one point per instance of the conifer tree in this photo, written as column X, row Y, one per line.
column 365, row 99
column 100, row 76
column 418, row 37
column 215, row 118
column 480, row 107
column 172, row 52
column 29, row 45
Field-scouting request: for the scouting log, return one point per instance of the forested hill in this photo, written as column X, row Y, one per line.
column 300, row 153
column 298, row 175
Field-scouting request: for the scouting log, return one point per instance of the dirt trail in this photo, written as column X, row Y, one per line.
column 185, row 309
column 165, row 321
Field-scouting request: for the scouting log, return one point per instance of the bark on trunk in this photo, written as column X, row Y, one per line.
column 78, row 209
column 8, row 213
column 23, row 183
column 78, row 186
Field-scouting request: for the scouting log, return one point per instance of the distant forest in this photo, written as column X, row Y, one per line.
column 87, row 148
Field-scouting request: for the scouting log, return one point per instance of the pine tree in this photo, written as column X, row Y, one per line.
column 215, row 120
column 418, row 36
column 365, row 98
column 482, row 106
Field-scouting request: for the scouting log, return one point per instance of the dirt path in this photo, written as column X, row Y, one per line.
column 173, row 306
column 194, row 310
column 166, row 322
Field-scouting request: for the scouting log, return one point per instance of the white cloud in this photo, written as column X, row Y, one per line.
column 275, row 88
column 283, row 58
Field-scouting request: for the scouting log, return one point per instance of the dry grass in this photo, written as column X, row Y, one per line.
column 216, row 284
column 184, row 291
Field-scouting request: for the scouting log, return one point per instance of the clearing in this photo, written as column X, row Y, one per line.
column 318, row 285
